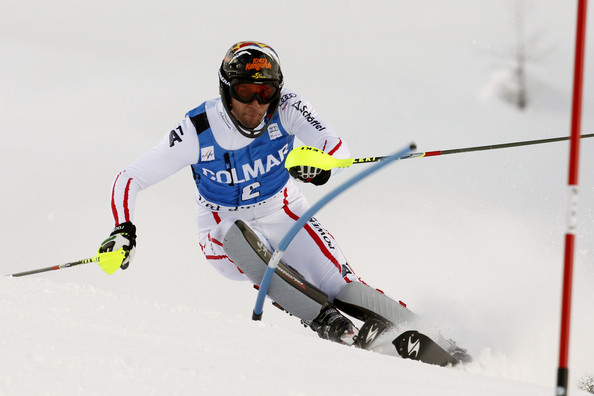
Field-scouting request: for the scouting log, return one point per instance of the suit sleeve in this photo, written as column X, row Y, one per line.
column 301, row 119
column 178, row 149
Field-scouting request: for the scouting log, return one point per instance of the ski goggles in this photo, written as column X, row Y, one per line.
column 247, row 92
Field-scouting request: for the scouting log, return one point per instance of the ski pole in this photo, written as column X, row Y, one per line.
column 492, row 147
column 311, row 156
column 284, row 243
column 55, row 267
column 106, row 258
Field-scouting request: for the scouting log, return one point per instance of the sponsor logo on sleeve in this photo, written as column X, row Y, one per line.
column 307, row 115
column 286, row 97
column 175, row 135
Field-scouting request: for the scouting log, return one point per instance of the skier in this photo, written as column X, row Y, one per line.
column 236, row 146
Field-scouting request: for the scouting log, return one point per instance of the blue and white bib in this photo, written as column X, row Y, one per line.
column 244, row 176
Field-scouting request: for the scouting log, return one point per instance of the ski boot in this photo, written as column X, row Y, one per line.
column 332, row 325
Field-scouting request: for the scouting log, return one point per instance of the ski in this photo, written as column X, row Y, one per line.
column 292, row 293
column 371, row 330
column 417, row 346
column 409, row 345
column 288, row 289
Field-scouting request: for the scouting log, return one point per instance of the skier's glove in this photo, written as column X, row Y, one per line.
column 309, row 174
column 122, row 237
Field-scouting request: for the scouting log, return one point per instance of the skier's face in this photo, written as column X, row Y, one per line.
column 248, row 114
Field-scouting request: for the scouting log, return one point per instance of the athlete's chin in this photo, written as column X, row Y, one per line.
column 251, row 122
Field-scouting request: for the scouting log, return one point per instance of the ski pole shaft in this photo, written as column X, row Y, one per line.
column 56, row 267
column 311, row 156
column 488, row 147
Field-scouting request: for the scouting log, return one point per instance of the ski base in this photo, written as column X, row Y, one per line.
column 287, row 288
column 371, row 330
column 416, row 346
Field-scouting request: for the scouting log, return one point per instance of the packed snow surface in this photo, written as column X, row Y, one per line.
column 76, row 339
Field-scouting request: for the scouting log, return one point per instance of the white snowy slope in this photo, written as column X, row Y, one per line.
column 473, row 242
column 70, row 339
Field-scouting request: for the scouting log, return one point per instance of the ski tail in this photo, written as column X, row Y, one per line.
column 287, row 289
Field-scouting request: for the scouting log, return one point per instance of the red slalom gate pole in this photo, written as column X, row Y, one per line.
column 574, row 153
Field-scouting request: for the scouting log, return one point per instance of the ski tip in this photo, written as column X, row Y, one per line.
column 417, row 346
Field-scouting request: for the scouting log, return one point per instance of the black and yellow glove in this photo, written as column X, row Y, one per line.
column 310, row 174
column 122, row 237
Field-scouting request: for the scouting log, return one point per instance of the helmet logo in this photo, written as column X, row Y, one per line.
column 258, row 75
column 258, row 63
column 242, row 44
column 223, row 80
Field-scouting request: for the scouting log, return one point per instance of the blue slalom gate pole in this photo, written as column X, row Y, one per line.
column 284, row 243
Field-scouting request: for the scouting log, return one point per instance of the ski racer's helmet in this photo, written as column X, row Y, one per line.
column 253, row 63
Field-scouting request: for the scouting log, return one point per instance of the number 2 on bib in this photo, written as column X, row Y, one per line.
column 250, row 191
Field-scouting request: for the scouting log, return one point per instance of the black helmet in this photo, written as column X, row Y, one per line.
column 254, row 63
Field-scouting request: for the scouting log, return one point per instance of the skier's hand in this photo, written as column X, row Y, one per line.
column 310, row 174
column 123, row 237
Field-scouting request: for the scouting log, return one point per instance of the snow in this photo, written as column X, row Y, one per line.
column 73, row 339
column 472, row 241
